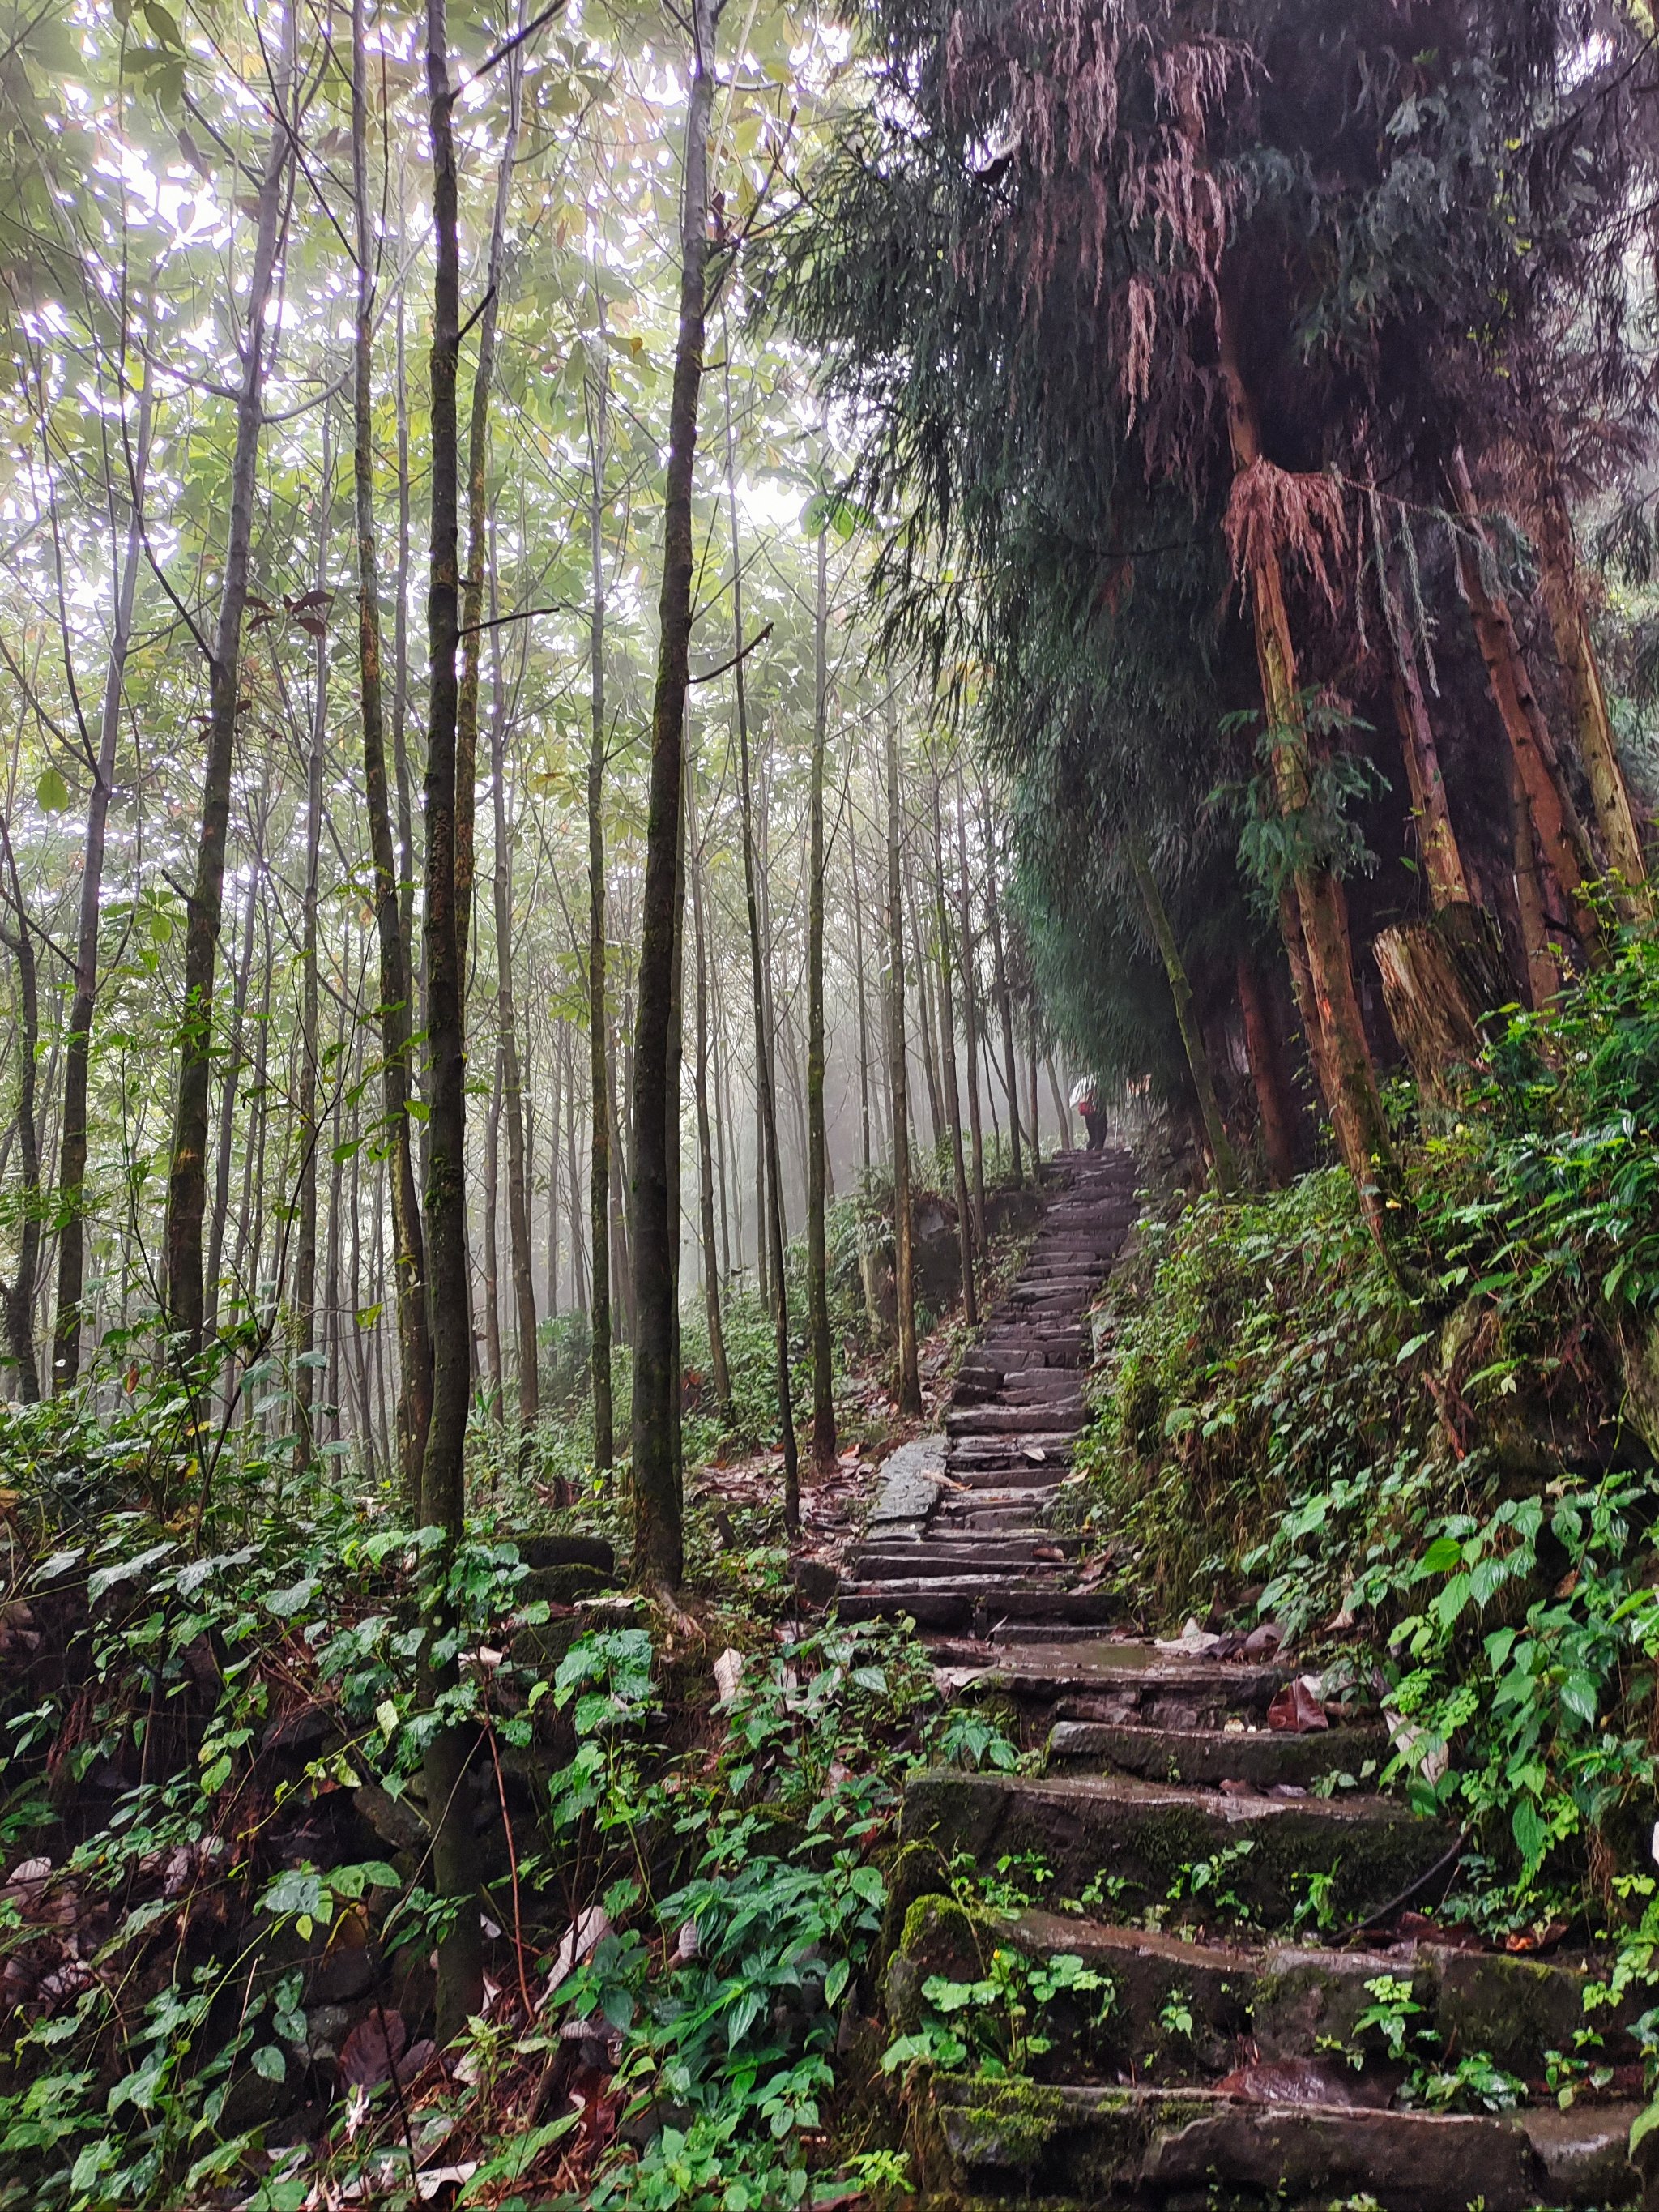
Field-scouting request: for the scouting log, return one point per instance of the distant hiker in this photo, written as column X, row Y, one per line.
column 1094, row 1119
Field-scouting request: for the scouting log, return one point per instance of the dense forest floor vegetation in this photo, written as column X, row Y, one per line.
column 1438, row 1479
column 216, row 1931
column 1441, row 1481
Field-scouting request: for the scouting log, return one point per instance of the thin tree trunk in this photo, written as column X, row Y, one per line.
column 1062, row 1111
column 303, row 1320
column 232, row 1078
column 817, row 1141
column 711, row 1270
column 659, row 1538
column 965, row 1244
column 492, row 1207
column 553, row 1185
column 394, row 881
column 187, row 1179
column 1005, row 1007
column 604, row 1448
column 518, row 1195
column 768, row 1181
column 762, row 1212
column 909, row 1389
column 723, row 1095
column 1543, row 970
column 405, row 871
column 1331, row 1008
column 77, row 1044
column 970, row 1016
column 1191, row 1037
column 672, row 1090
column 479, row 535
column 924, row 1007
column 621, row 1265
column 443, row 1496
column 1437, row 840
column 1261, row 1050
column 17, row 1297
column 1564, row 599
column 1555, row 818
column 863, row 1008
column 1032, row 1072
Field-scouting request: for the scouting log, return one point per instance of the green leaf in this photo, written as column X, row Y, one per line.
column 1531, row 1836
column 53, row 792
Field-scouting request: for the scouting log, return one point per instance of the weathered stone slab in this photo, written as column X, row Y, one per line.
column 1258, row 1849
column 1266, row 1758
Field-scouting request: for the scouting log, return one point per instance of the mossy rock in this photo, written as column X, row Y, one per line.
column 552, row 1550
column 1006, row 2125
column 564, row 1585
column 939, row 1936
column 541, row 1648
column 1518, row 2009
column 1305, row 1998
column 942, row 1938
column 917, row 1870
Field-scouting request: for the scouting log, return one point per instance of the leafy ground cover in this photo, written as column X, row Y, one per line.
column 1444, row 1487
column 217, row 1934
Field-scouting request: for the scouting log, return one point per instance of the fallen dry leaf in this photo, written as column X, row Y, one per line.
column 1296, row 1710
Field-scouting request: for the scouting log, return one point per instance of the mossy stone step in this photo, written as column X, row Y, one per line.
column 1116, row 1679
column 1136, row 2146
column 1291, row 2000
column 1267, row 1758
column 972, row 1602
column 1038, row 1425
column 965, row 1556
column 1260, row 1850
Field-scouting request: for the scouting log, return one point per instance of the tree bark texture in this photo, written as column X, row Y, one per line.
column 965, row 1244
column 1555, row 818
column 1318, row 944
column 909, row 1377
column 187, row 1179
column 395, row 1010
column 658, row 1547
column 77, row 1042
column 818, row 1284
column 443, row 1499
column 1223, row 1164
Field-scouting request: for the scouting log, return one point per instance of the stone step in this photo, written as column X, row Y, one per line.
column 997, row 1472
column 1290, row 2001
column 1013, row 1421
column 975, row 1604
column 1266, row 1758
column 1152, row 1835
column 1034, row 1381
column 1137, row 2146
column 1277, row 2000
column 1122, row 1680
column 917, row 1561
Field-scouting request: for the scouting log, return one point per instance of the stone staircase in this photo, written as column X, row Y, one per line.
column 1235, row 1917
column 961, row 1542
column 1229, row 1888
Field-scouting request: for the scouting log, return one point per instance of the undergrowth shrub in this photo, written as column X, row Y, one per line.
column 1453, row 1483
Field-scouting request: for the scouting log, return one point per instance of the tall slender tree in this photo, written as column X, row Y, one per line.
column 391, row 921
column 443, row 1480
column 909, row 1375
column 817, row 1143
column 659, row 1538
column 187, row 1177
